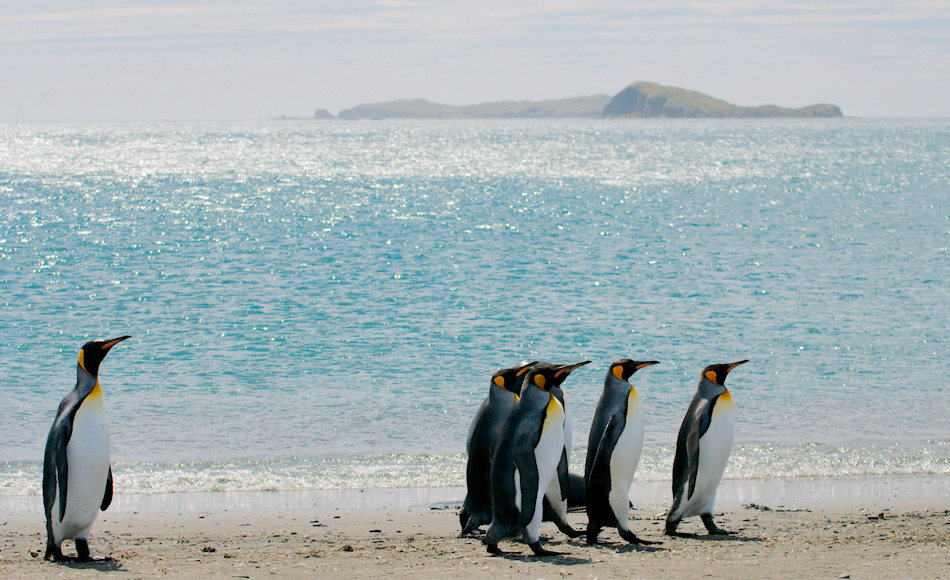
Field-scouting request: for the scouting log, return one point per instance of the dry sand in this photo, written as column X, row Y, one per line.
column 875, row 540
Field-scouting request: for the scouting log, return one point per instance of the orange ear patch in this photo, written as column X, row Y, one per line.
column 540, row 380
column 500, row 381
column 618, row 371
column 711, row 376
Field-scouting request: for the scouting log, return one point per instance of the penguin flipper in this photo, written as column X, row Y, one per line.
column 107, row 497
column 56, row 468
column 49, row 478
column 529, row 482
column 698, row 428
column 608, row 442
column 563, row 477
column 598, row 481
column 62, row 470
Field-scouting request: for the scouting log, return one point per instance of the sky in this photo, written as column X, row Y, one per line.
column 144, row 60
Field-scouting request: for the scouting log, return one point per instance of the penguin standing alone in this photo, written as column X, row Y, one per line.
column 502, row 394
column 702, row 449
column 613, row 452
column 77, row 477
column 526, row 458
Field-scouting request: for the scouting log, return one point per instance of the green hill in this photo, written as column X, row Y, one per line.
column 639, row 100
column 592, row 106
column 650, row 100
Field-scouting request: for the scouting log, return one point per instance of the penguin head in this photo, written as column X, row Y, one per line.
column 624, row 368
column 716, row 374
column 561, row 372
column 548, row 376
column 508, row 378
column 92, row 353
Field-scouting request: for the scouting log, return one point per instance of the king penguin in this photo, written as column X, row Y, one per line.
column 529, row 449
column 77, row 477
column 702, row 449
column 613, row 452
column 502, row 393
column 557, row 497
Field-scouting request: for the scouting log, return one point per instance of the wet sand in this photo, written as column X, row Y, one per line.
column 823, row 540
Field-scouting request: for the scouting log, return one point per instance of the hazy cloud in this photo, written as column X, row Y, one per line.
column 268, row 58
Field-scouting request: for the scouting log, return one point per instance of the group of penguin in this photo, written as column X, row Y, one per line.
column 518, row 452
column 519, row 448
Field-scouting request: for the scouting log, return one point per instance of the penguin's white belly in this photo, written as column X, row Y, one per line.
column 553, row 493
column 87, row 455
column 547, row 454
column 625, row 458
column 714, row 448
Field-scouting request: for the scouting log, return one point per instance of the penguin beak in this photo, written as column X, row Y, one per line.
column 647, row 363
column 735, row 364
column 108, row 345
column 565, row 370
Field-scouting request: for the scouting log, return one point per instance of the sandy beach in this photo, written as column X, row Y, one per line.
column 824, row 540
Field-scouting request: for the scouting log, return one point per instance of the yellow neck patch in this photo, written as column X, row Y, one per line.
column 96, row 391
column 633, row 400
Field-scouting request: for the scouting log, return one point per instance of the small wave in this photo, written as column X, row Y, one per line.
column 747, row 462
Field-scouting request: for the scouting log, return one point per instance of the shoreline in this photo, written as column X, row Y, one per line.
column 732, row 493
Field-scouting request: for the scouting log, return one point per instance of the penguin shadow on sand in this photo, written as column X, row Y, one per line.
column 732, row 536
column 737, row 537
column 564, row 553
column 101, row 564
column 622, row 547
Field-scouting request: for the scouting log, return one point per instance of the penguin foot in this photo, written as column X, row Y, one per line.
column 92, row 559
column 633, row 539
column 572, row 533
column 712, row 528
column 541, row 552
column 675, row 534
column 82, row 549
column 471, row 530
column 592, row 537
column 494, row 550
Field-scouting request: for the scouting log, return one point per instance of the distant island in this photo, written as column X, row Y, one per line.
column 421, row 109
column 650, row 100
column 641, row 100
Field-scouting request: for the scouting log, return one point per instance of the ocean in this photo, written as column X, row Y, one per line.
column 319, row 305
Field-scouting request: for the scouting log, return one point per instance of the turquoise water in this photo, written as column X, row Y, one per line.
column 319, row 305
